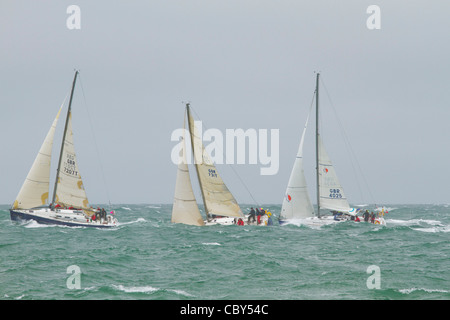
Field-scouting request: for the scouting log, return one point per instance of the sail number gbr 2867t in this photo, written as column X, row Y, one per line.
column 70, row 167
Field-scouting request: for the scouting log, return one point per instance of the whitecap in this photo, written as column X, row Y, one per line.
column 33, row 224
column 411, row 290
column 131, row 222
column 434, row 229
column 413, row 222
column 149, row 290
column 145, row 289
column 211, row 244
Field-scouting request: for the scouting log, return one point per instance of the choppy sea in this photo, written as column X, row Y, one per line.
column 148, row 258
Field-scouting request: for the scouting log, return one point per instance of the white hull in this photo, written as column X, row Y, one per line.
column 72, row 218
column 228, row 221
column 327, row 220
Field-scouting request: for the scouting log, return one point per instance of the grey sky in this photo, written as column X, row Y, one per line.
column 241, row 64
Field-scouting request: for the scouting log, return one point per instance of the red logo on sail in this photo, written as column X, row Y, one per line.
column 325, row 170
column 288, row 198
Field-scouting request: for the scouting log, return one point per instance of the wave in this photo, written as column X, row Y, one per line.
column 423, row 225
column 414, row 222
column 311, row 222
column 31, row 224
column 149, row 290
column 211, row 244
column 138, row 220
column 434, row 229
column 411, row 290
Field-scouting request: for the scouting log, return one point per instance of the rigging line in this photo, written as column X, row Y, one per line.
column 231, row 166
column 347, row 142
column 95, row 143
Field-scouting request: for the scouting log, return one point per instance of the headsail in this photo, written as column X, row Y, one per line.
column 185, row 209
column 217, row 198
column 297, row 203
column 34, row 191
column 332, row 195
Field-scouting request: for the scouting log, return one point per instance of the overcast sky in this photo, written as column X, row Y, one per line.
column 242, row 64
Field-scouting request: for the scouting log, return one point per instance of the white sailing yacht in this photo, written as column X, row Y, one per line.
column 330, row 194
column 220, row 205
column 69, row 206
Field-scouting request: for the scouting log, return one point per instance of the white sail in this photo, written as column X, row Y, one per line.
column 332, row 195
column 297, row 203
column 69, row 187
column 185, row 209
column 217, row 198
column 34, row 191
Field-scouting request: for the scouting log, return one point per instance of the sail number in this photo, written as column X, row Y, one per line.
column 335, row 193
column 212, row 173
column 70, row 166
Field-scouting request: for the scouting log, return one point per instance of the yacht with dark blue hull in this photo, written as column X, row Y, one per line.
column 69, row 204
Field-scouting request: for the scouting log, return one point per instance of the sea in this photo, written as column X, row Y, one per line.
column 146, row 257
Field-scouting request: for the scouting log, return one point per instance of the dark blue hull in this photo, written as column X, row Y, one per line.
column 22, row 216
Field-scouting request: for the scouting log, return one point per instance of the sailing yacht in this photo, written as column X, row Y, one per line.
column 69, row 205
column 220, row 205
column 330, row 194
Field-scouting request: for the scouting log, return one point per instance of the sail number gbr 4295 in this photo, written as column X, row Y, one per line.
column 335, row 194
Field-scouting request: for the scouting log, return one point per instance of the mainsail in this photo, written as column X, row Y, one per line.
column 34, row 191
column 218, row 200
column 332, row 195
column 69, row 186
column 297, row 203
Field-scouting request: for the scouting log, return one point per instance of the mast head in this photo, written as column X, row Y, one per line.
column 188, row 104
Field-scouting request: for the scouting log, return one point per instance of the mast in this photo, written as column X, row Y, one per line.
column 193, row 152
column 317, row 146
column 64, row 138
